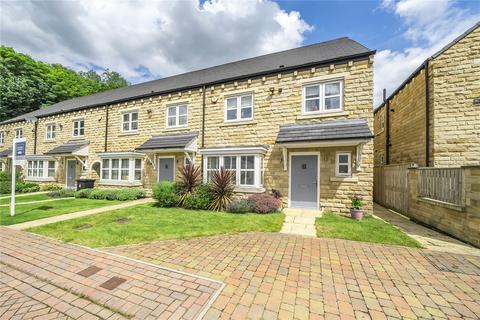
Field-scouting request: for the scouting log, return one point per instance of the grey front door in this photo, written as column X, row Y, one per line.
column 71, row 173
column 304, row 181
column 165, row 170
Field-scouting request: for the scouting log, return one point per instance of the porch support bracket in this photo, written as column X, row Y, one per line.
column 285, row 158
column 84, row 163
column 191, row 157
column 149, row 159
column 358, row 160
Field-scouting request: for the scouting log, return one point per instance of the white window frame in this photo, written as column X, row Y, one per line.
column 74, row 122
column 50, row 135
column 131, row 170
column 17, row 130
column 176, row 116
column 38, row 169
column 129, row 121
column 322, row 97
column 337, row 164
column 258, row 167
column 2, row 138
column 239, row 108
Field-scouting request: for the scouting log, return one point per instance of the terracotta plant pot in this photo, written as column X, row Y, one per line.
column 356, row 214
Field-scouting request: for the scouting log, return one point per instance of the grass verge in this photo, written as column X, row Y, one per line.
column 144, row 223
column 25, row 198
column 369, row 229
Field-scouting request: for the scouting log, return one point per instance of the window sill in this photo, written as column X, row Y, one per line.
column 49, row 141
column 344, row 179
column 40, row 179
column 133, row 133
column 78, row 137
column 322, row 115
column 121, row 183
column 238, row 123
column 244, row 189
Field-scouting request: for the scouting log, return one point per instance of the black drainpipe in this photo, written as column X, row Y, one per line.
column 203, row 126
column 106, row 129
column 387, row 125
column 35, row 137
column 427, row 116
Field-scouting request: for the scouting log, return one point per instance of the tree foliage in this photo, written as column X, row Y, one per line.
column 27, row 85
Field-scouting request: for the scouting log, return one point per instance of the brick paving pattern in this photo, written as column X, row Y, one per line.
column 276, row 276
column 43, row 273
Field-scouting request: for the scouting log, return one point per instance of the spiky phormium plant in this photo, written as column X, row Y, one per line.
column 222, row 189
column 190, row 178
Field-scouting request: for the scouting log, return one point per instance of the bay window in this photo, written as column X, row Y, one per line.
column 245, row 169
column 323, row 97
column 41, row 169
column 121, row 170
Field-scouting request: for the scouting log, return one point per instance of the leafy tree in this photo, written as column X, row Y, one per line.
column 27, row 85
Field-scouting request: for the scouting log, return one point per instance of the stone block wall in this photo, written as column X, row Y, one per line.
column 380, row 139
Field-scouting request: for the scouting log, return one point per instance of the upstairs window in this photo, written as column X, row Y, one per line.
column 130, row 121
column 323, row 97
column 79, row 128
column 50, row 131
column 177, row 116
column 239, row 108
column 343, row 164
column 2, row 137
column 18, row 133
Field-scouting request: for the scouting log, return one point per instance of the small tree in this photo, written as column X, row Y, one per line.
column 222, row 189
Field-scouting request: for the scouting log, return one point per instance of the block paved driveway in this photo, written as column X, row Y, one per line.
column 272, row 276
column 45, row 279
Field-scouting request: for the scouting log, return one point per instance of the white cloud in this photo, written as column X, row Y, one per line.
column 430, row 25
column 148, row 39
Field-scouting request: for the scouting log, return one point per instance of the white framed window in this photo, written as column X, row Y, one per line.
column 50, row 131
column 239, row 108
column 323, row 97
column 41, row 169
column 130, row 121
column 246, row 169
column 343, row 164
column 177, row 116
column 126, row 170
column 2, row 137
column 78, row 128
column 19, row 133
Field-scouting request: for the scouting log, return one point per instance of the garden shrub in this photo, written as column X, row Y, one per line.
column 63, row 193
column 165, row 193
column 6, row 182
column 199, row 199
column 27, row 187
column 265, row 203
column 104, row 194
column 51, row 187
column 222, row 189
column 241, row 206
column 123, row 194
column 84, row 193
column 130, row 194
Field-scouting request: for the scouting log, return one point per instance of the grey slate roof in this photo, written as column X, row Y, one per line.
column 6, row 153
column 69, row 147
column 324, row 52
column 175, row 141
column 329, row 130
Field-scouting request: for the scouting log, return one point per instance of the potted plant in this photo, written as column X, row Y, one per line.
column 356, row 212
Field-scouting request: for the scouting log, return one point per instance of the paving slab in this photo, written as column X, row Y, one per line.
column 300, row 222
column 47, row 270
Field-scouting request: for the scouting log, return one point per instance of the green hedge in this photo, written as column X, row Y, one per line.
column 199, row 199
column 166, row 194
column 20, row 185
column 100, row 194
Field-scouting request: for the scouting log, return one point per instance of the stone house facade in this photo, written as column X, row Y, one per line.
column 297, row 121
column 433, row 118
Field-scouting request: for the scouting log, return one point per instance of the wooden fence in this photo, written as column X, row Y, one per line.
column 442, row 184
column 391, row 187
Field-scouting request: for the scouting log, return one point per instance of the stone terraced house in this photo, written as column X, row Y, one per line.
column 433, row 118
column 299, row 121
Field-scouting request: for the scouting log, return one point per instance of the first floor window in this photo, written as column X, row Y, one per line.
column 2, row 137
column 177, row 116
column 239, row 108
column 122, row 169
column 343, row 164
column 130, row 121
column 50, row 131
column 78, row 128
column 323, row 97
column 41, row 169
column 245, row 169
column 19, row 133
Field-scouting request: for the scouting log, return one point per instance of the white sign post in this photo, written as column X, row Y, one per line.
column 18, row 150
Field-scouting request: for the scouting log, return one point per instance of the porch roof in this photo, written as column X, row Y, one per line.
column 325, row 131
column 71, row 147
column 6, row 153
column 182, row 141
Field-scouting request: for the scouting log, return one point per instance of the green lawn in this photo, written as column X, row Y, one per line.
column 369, row 230
column 28, row 212
column 19, row 199
column 147, row 222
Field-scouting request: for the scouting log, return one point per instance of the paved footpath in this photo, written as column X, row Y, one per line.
column 74, row 215
column 278, row 276
column 300, row 222
column 41, row 277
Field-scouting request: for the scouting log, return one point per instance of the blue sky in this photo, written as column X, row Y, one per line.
column 145, row 40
